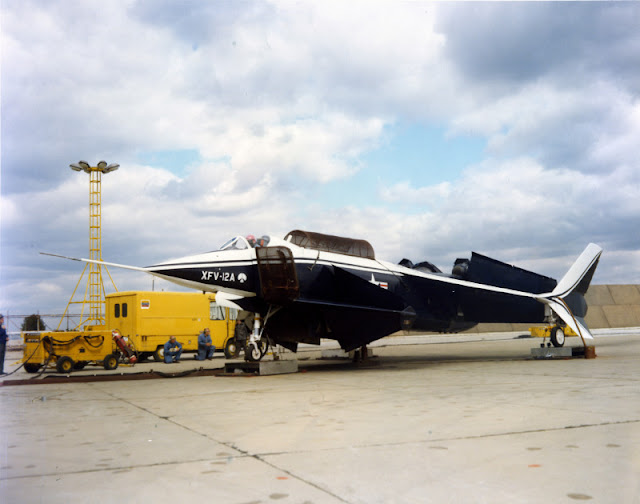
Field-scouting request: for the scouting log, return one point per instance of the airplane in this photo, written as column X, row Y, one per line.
column 310, row 286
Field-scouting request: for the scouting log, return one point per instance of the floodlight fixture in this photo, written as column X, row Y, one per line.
column 102, row 167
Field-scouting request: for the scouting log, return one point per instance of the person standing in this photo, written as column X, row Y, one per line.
column 4, row 339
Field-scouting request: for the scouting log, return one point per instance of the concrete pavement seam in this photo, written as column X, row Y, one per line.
column 243, row 453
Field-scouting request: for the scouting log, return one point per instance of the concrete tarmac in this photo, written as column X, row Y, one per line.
column 474, row 420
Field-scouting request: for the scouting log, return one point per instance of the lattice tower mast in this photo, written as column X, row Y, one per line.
column 94, row 292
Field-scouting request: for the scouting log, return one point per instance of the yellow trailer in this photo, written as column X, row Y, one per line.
column 69, row 350
column 148, row 319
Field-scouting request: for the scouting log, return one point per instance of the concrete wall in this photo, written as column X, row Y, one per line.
column 613, row 306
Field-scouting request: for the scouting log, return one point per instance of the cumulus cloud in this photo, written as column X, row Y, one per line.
column 559, row 127
column 509, row 44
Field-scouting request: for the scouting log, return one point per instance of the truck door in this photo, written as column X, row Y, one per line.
column 232, row 317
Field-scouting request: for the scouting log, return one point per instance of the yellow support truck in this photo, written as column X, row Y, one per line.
column 146, row 320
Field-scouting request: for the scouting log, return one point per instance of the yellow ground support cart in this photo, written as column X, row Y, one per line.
column 69, row 350
column 556, row 334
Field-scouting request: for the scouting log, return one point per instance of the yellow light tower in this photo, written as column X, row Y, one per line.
column 94, row 294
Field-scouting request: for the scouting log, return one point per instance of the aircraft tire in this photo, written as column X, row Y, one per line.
column 557, row 336
column 254, row 352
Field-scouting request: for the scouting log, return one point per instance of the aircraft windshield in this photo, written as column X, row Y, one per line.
column 242, row 243
column 237, row 243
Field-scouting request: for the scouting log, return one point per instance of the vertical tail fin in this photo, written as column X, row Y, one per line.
column 580, row 274
column 567, row 299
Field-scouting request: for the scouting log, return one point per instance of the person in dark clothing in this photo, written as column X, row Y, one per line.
column 4, row 339
column 172, row 350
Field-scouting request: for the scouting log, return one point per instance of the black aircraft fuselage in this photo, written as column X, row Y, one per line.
column 311, row 286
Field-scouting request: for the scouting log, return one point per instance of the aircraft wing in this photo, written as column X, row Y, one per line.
column 562, row 299
column 102, row 263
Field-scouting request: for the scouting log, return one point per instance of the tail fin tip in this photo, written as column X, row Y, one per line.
column 580, row 274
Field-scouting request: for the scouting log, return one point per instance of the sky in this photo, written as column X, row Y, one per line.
column 429, row 129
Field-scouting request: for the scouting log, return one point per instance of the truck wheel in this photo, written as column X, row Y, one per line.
column 64, row 364
column 231, row 350
column 110, row 362
column 158, row 355
column 32, row 368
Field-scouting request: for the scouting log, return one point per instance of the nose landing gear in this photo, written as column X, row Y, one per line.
column 257, row 345
column 256, row 350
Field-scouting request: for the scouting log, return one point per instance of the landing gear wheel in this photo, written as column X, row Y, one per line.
column 32, row 368
column 557, row 336
column 254, row 352
column 110, row 362
column 231, row 350
column 64, row 364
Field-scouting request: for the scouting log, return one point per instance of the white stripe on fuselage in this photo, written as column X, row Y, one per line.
column 314, row 257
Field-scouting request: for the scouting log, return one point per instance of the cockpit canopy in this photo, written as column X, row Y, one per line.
column 307, row 239
column 330, row 243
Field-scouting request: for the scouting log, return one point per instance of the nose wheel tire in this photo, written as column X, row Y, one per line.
column 254, row 352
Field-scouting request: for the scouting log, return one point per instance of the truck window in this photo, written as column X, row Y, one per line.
column 116, row 309
column 124, row 309
column 216, row 312
column 233, row 314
